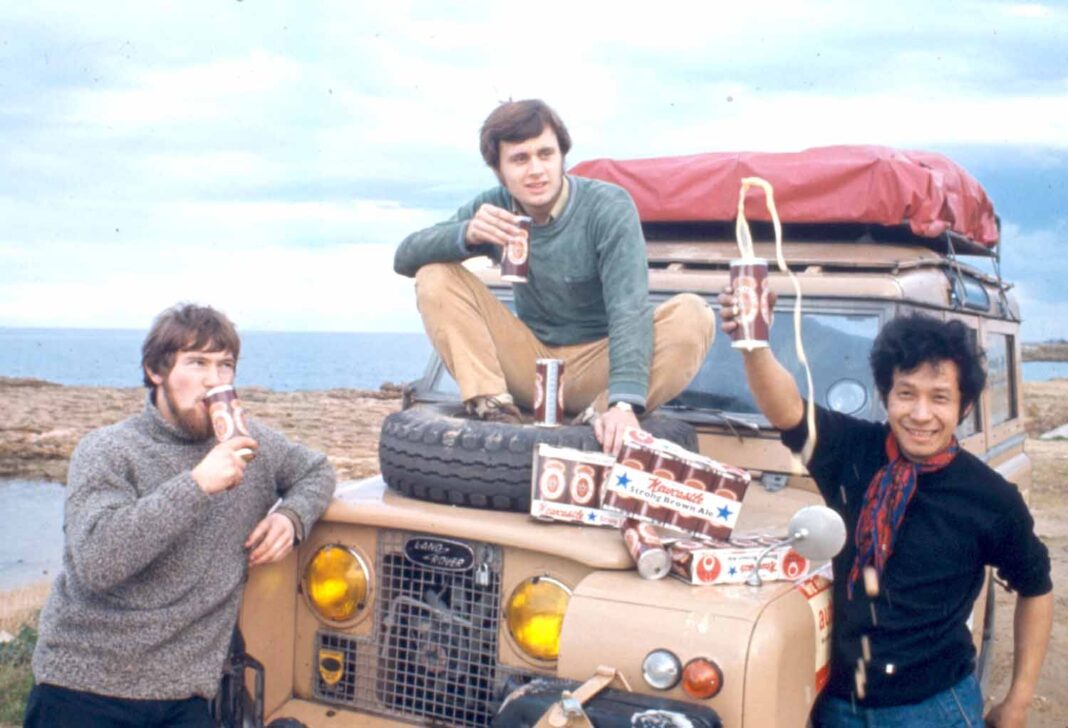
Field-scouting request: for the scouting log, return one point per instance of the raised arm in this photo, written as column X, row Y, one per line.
column 479, row 227
column 774, row 389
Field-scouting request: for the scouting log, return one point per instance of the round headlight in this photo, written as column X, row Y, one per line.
column 335, row 583
column 847, row 396
column 661, row 669
column 536, row 616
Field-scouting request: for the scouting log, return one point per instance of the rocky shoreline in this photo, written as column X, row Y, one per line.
column 1046, row 351
column 41, row 422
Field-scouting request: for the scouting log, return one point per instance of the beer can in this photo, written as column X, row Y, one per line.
column 647, row 550
column 549, row 392
column 696, row 475
column 665, row 467
column 227, row 416
column 515, row 258
column 635, row 454
column 749, row 280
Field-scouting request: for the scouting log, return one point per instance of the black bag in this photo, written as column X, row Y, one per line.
column 527, row 703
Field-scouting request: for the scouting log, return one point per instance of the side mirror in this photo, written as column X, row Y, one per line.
column 815, row 532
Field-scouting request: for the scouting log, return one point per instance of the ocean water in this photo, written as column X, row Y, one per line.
column 276, row 360
column 1041, row 371
column 282, row 361
column 31, row 519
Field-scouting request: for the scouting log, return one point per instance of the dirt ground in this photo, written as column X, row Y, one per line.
column 40, row 423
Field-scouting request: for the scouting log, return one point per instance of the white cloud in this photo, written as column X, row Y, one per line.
column 142, row 140
column 340, row 288
column 198, row 93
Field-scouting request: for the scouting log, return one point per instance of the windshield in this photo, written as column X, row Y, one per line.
column 836, row 345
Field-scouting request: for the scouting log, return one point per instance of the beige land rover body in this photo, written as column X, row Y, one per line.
column 428, row 638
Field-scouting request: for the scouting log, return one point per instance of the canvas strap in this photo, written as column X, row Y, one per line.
column 568, row 712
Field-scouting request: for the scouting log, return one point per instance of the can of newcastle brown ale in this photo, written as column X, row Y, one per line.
column 549, row 392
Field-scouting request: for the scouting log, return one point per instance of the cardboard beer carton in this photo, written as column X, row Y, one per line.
column 566, row 485
column 731, row 562
column 659, row 482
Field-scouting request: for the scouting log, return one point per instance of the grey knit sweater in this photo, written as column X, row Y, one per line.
column 154, row 568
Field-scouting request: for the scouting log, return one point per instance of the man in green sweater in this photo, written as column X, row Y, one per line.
column 161, row 525
column 586, row 298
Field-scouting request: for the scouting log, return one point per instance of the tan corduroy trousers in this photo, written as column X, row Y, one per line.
column 489, row 351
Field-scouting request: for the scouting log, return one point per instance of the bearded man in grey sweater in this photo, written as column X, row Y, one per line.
column 161, row 526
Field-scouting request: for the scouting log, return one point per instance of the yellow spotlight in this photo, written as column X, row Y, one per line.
column 536, row 616
column 335, row 583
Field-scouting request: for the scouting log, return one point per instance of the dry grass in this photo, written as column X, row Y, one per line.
column 19, row 609
column 20, row 606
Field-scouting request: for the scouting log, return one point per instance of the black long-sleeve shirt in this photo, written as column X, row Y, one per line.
column 961, row 519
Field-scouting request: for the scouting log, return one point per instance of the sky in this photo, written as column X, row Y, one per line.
column 267, row 157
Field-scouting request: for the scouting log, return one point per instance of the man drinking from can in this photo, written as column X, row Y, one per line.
column 585, row 299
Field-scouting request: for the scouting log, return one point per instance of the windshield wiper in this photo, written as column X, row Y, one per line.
column 717, row 416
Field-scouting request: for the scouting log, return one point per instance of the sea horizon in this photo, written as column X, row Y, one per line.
column 283, row 361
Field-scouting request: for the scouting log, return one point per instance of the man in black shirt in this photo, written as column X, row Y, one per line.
column 925, row 518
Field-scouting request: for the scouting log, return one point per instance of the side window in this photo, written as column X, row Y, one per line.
column 1000, row 380
column 973, row 423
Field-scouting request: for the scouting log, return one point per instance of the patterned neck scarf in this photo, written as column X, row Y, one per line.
column 885, row 501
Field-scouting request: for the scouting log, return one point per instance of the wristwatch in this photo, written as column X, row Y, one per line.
column 624, row 406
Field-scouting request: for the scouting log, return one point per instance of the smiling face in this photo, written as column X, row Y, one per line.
column 923, row 407
column 179, row 395
column 533, row 172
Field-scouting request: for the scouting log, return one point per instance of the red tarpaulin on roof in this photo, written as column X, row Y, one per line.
column 844, row 184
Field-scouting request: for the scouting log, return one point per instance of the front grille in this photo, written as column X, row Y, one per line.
column 432, row 656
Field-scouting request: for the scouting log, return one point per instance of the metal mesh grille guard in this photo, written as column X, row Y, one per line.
column 433, row 651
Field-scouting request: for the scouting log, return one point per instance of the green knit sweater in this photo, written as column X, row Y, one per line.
column 153, row 567
column 588, row 275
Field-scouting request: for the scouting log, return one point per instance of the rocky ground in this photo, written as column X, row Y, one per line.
column 40, row 423
column 1046, row 351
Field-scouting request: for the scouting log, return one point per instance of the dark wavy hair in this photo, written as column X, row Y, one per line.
column 516, row 121
column 910, row 341
column 186, row 327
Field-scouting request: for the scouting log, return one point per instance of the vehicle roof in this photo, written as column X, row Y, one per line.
column 926, row 193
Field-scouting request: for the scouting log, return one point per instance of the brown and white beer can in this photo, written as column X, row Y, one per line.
column 553, row 479
column 584, row 483
column 647, row 550
column 749, row 281
column 665, row 467
column 549, row 392
column 227, row 416
column 633, row 455
column 699, row 476
column 515, row 258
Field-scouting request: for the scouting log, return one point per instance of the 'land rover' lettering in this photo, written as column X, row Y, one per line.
column 439, row 553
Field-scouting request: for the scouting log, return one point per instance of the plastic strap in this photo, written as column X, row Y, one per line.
column 745, row 247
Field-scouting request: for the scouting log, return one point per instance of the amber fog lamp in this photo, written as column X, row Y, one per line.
column 335, row 583
column 536, row 616
column 702, row 679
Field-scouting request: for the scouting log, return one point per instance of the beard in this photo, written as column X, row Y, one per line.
column 193, row 422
